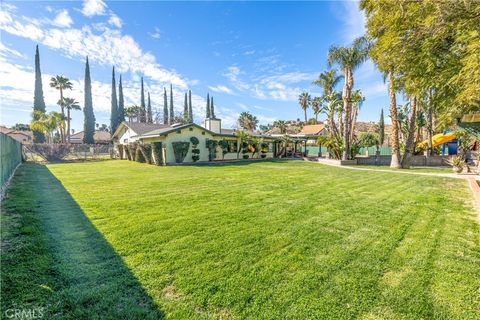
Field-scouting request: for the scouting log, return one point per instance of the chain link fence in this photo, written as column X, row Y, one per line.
column 10, row 157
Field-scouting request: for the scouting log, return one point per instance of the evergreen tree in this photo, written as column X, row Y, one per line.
column 381, row 129
column 207, row 115
column 171, row 115
column 121, row 102
column 38, row 100
column 212, row 109
column 186, row 117
column 149, row 110
column 114, row 107
column 143, row 116
column 190, row 112
column 165, row 106
column 89, row 122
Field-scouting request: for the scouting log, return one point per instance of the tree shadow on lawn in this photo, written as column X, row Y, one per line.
column 94, row 281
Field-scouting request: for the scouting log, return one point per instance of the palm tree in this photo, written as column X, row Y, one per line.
column 247, row 121
column 332, row 104
column 132, row 112
column 281, row 125
column 357, row 100
column 69, row 104
column 61, row 83
column 327, row 81
column 242, row 137
column 47, row 123
column 304, row 100
column 348, row 58
column 316, row 107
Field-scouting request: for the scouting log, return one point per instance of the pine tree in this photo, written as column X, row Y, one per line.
column 381, row 128
column 185, row 110
column 207, row 115
column 171, row 115
column 212, row 109
column 149, row 110
column 121, row 102
column 89, row 122
column 38, row 100
column 143, row 116
column 165, row 106
column 190, row 112
column 114, row 107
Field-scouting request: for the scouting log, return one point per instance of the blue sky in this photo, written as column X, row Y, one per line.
column 251, row 56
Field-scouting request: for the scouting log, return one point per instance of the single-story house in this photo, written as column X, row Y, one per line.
column 24, row 137
column 129, row 133
column 100, row 137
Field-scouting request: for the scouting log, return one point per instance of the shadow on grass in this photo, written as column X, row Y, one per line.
column 93, row 281
column 239, row 162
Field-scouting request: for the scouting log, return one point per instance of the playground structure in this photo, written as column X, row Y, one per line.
column 447, row 140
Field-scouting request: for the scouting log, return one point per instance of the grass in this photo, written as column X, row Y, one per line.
column 269, row 240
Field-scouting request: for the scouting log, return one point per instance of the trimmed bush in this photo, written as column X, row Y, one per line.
column 120, row 151
column 139, row 155
column 180, row 150
column 195, row 150
column 147, row 152
column 157, row 153
column 224, row 145
column 212, row 149
column 245, row 156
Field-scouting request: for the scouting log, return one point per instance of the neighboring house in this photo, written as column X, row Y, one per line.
column 129, row 132
column 24, row 137
column 100, row 137
column 313, row 130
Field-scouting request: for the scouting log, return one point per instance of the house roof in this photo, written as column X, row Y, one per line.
column 8, row 131
column 312, row 129
column 139, row 128
column 167, row 129
column 97, row 136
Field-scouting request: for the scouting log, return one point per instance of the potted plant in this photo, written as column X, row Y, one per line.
column 457, row 163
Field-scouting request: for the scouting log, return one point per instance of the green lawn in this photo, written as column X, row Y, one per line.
column 256, row 240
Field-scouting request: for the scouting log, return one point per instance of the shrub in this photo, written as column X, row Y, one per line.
column 195, row 150
column 263, row 155
column 147, row 152
column 180, row 150
column 212, row 149
column 245, row 156
column 157, row 153
column 139, row 155
column 224, row 145
column 120, row 151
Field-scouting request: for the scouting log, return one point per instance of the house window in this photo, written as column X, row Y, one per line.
column 270, row 147
column 190, row 129
column 232, row 146
column 203, row 133
column 179, row 131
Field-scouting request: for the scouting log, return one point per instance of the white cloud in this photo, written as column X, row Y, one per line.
column 155, row 34
column 115, row 21
column 105, row 47
column 352, row 18
column 93, row 8
column 63, row 19
column 220, row 88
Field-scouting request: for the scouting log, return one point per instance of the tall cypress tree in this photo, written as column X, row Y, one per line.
column 121, row 102
column 207, row 114
column 89, row 122
column 381, row 128
column 143, row 112
column 114, row 107
column 212, row 110
column 171, row 115
column 190, row 112
column 149, row 110
column 185, row 110
column 38, row 100
column 165, row 106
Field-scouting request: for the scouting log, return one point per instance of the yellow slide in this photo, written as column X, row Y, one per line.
column 438, row 139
